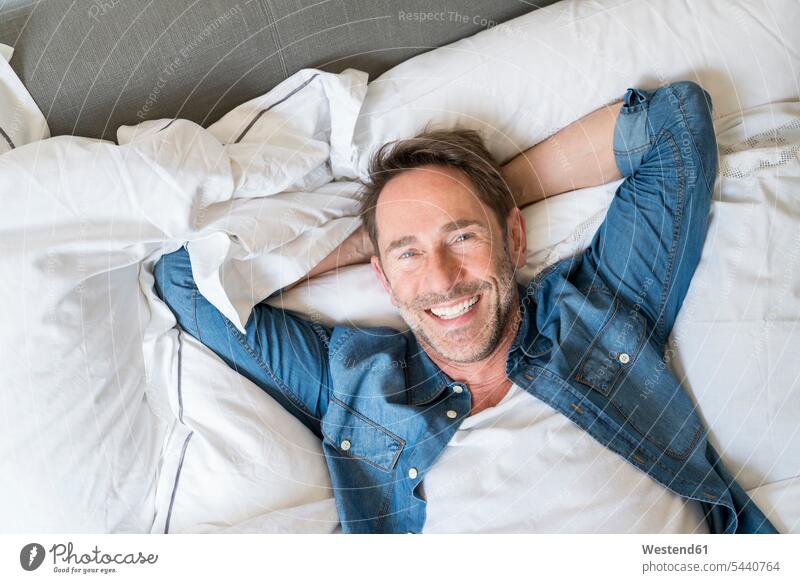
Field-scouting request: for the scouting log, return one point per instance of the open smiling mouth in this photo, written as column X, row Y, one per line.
column 457, row 313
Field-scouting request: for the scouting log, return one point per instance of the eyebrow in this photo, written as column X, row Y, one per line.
column 446, row 228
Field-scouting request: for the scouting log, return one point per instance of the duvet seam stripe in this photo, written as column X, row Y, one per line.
column 180, row 376
column 266, row 109
column 177, row 480
column 7, row 138
column 188, row 437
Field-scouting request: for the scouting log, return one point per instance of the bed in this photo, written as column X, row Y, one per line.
column 243, row 129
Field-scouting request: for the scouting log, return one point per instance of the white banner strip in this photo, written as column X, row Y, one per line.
column 389, row 558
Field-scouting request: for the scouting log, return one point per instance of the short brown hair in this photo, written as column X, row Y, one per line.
column 462, row 149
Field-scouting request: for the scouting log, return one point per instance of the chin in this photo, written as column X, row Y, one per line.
column 463, row 357
column 462, row 347
column 466, row 339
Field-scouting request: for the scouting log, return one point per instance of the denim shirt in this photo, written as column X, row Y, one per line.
column 592, row 344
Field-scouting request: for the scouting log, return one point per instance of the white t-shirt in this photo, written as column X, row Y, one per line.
column 522, row 466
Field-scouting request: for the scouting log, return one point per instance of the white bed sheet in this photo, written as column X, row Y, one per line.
column 88, row 348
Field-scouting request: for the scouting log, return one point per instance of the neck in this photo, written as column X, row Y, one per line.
column 486, row 378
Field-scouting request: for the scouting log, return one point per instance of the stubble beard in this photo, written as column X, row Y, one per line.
column 498, row 318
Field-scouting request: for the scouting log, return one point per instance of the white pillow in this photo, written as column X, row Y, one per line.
column 21, row 121
column 236, row 457
column 520, row 81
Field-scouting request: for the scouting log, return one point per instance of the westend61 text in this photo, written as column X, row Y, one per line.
column 675, row 550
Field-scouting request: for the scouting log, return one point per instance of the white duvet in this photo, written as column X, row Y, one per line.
column 112, row 420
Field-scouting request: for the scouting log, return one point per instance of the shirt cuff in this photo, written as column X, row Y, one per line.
column 631, row 136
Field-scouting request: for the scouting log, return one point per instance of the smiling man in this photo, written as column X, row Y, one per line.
column 509, row 408
column 450, row 241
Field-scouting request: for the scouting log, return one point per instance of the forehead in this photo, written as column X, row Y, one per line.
column 426, row 198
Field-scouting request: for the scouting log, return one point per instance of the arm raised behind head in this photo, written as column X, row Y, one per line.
column 578, row 156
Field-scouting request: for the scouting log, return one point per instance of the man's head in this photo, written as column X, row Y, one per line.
column 447, row 234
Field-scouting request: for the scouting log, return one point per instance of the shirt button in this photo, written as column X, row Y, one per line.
column 345, row 445
column 412, row 473
column 452, row 414
column 458, row 389
column 624, row 358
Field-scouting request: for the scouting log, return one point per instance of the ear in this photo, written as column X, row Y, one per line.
column 376, row 267
column 518, row 240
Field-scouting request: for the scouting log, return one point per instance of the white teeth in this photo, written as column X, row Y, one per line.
column 454, row 311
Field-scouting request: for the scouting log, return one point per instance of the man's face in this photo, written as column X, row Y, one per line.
column 445, row 261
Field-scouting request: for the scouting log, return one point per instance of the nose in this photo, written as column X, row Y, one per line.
column 443, row 272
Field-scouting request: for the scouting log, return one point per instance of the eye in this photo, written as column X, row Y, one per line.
column 463, row 237
column 405, row 255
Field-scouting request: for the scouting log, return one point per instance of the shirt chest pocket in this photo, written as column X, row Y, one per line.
column 355, row 436
column 621, row 366
column 613, row 350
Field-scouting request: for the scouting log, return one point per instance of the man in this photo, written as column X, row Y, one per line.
column 509, row 408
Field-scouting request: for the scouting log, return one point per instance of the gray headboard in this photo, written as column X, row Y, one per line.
column 93, row 65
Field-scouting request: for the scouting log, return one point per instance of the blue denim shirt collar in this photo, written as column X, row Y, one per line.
column 524, row 338
column 425, row 379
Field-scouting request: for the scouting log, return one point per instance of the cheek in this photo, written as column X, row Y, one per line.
column 403, row 286
column 484, row 266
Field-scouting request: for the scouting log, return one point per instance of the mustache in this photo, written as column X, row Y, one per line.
column 458, row 291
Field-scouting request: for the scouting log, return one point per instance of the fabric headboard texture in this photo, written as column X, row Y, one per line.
column 93, row 65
